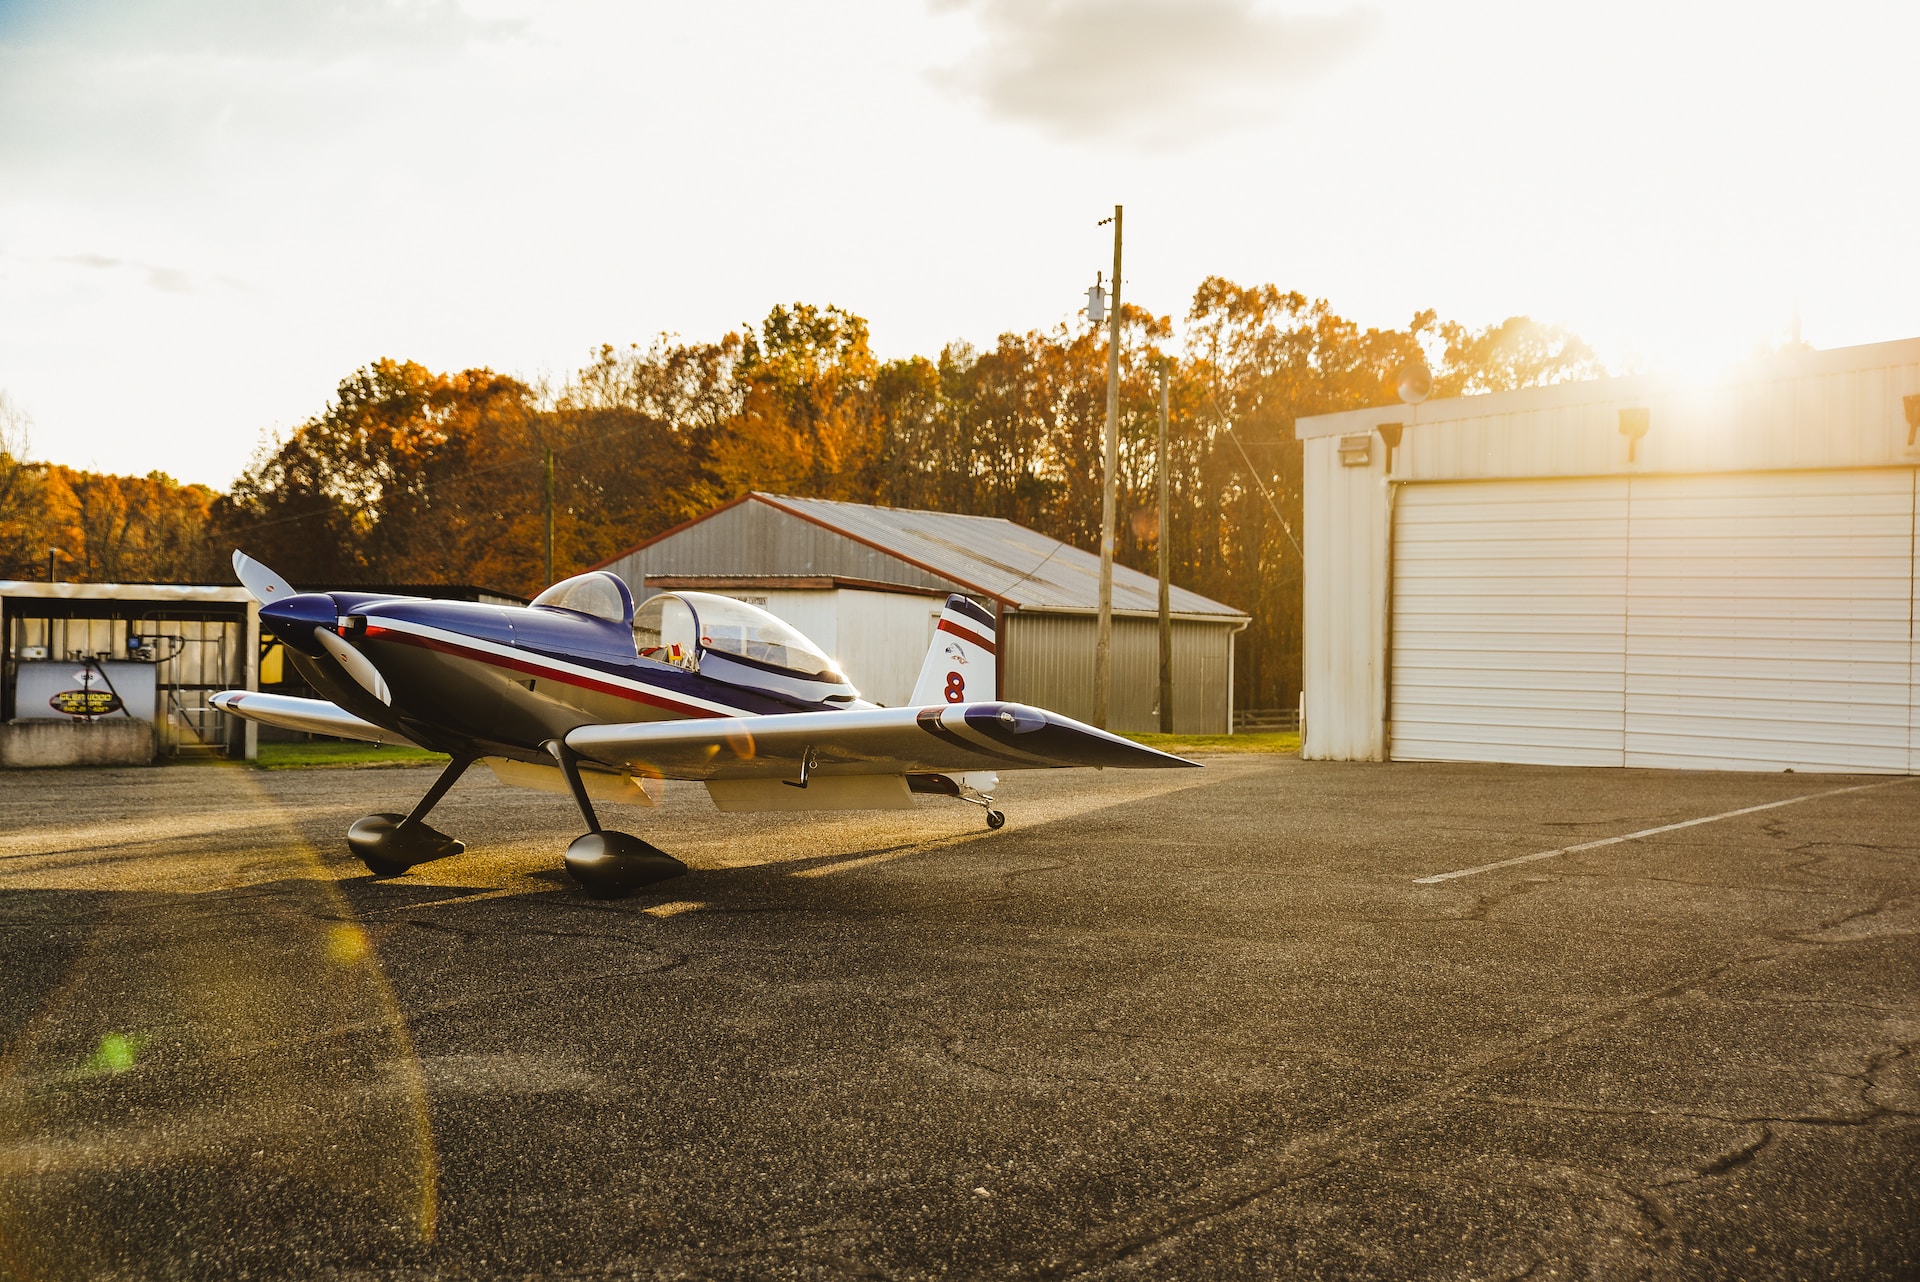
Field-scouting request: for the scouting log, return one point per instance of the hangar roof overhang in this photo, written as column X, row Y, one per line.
column 1020, row 568
column 26, row 598
column 1607, row 391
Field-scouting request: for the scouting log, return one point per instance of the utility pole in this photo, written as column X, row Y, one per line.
column 1166, row 564
column 1103, row 641
column 549, row 579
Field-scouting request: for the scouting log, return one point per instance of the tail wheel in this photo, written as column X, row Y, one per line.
column 995, row 819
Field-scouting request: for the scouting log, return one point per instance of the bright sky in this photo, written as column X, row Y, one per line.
column 211, row 211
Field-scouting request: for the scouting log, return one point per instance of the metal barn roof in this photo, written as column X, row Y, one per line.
column 987, row 555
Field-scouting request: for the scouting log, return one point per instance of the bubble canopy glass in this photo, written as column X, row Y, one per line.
column 675, row 625
column 599, row 593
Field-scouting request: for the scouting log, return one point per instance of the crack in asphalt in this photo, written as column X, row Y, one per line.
column 1487, row 901
column 1204, row 1202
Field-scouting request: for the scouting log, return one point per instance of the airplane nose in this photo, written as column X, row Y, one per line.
column 294, row 618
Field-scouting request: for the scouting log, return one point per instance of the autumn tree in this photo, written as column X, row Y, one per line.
column 22, row 501
column 127, row 529
column 1518, row 352
column 633, row 434
column 408, row 476
column 804, row 423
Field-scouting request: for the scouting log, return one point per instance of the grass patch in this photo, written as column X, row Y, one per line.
column 1185, row 744
column 321, row 753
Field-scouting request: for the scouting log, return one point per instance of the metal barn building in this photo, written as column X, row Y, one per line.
column 1626, row 572
column 866, row 584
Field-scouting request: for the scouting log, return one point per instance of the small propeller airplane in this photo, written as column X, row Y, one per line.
column 583, row 694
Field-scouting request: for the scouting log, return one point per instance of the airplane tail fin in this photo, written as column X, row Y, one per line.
column 961, row 661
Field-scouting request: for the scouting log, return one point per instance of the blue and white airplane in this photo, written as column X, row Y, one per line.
column 582, row 693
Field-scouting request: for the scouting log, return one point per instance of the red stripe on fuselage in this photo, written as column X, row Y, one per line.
column 948, row 625
column 374, row 631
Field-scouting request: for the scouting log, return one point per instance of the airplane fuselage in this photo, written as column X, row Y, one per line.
column 502, row 680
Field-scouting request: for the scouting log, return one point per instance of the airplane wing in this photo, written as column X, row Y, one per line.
column 866, row 741
column 315, row 716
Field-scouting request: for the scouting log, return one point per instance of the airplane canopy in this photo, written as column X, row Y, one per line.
column 703, row 623
column 600, row 593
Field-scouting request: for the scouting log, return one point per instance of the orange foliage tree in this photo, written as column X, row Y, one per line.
column 413, row 476
column 99, row 527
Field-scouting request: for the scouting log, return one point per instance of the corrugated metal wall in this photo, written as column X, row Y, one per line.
column 752, row 538
column 1047, row 660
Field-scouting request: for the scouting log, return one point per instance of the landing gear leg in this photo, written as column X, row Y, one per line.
column 955, row 786
column 389, row 844
column 608, row 864
column 995, row 819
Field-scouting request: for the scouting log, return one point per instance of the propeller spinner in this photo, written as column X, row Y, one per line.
column 271, row 591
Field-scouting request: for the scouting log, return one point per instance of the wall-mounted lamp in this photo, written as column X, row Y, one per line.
column 1633, row 426
column 1390, row 437
column 1356, row 451
column 1414, row 381
column 1912, row 406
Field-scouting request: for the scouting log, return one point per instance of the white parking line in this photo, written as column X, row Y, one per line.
column 1649, row 832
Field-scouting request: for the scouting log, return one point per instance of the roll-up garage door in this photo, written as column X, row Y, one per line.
column 1770, row 620
column 1754, row 621
column 1509, row 615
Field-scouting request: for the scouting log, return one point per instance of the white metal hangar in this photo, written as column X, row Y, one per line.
column 866, row 583
column 1626, row 572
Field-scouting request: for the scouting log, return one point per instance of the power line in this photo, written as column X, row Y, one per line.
column 1254, row 472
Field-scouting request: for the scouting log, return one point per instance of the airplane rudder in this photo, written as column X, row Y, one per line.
column 967, row 608
column 960, row 663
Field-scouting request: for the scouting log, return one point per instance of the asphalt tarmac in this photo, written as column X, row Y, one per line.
column 1195, row 1024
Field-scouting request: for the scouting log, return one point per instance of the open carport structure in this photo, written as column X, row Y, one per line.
column 177, row 643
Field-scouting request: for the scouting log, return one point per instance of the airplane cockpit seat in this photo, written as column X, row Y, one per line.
column 665, row 630
column 738, row 643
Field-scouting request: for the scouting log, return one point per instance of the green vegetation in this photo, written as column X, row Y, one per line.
column 1183, row 745
column 328, row 753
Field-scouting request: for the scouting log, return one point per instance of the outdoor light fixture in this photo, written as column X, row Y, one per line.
column 1415, row 383
column 1356, row 451
column 1096, row 301
column 1633, row 426
column 1390, row 437
column 1912, row 406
